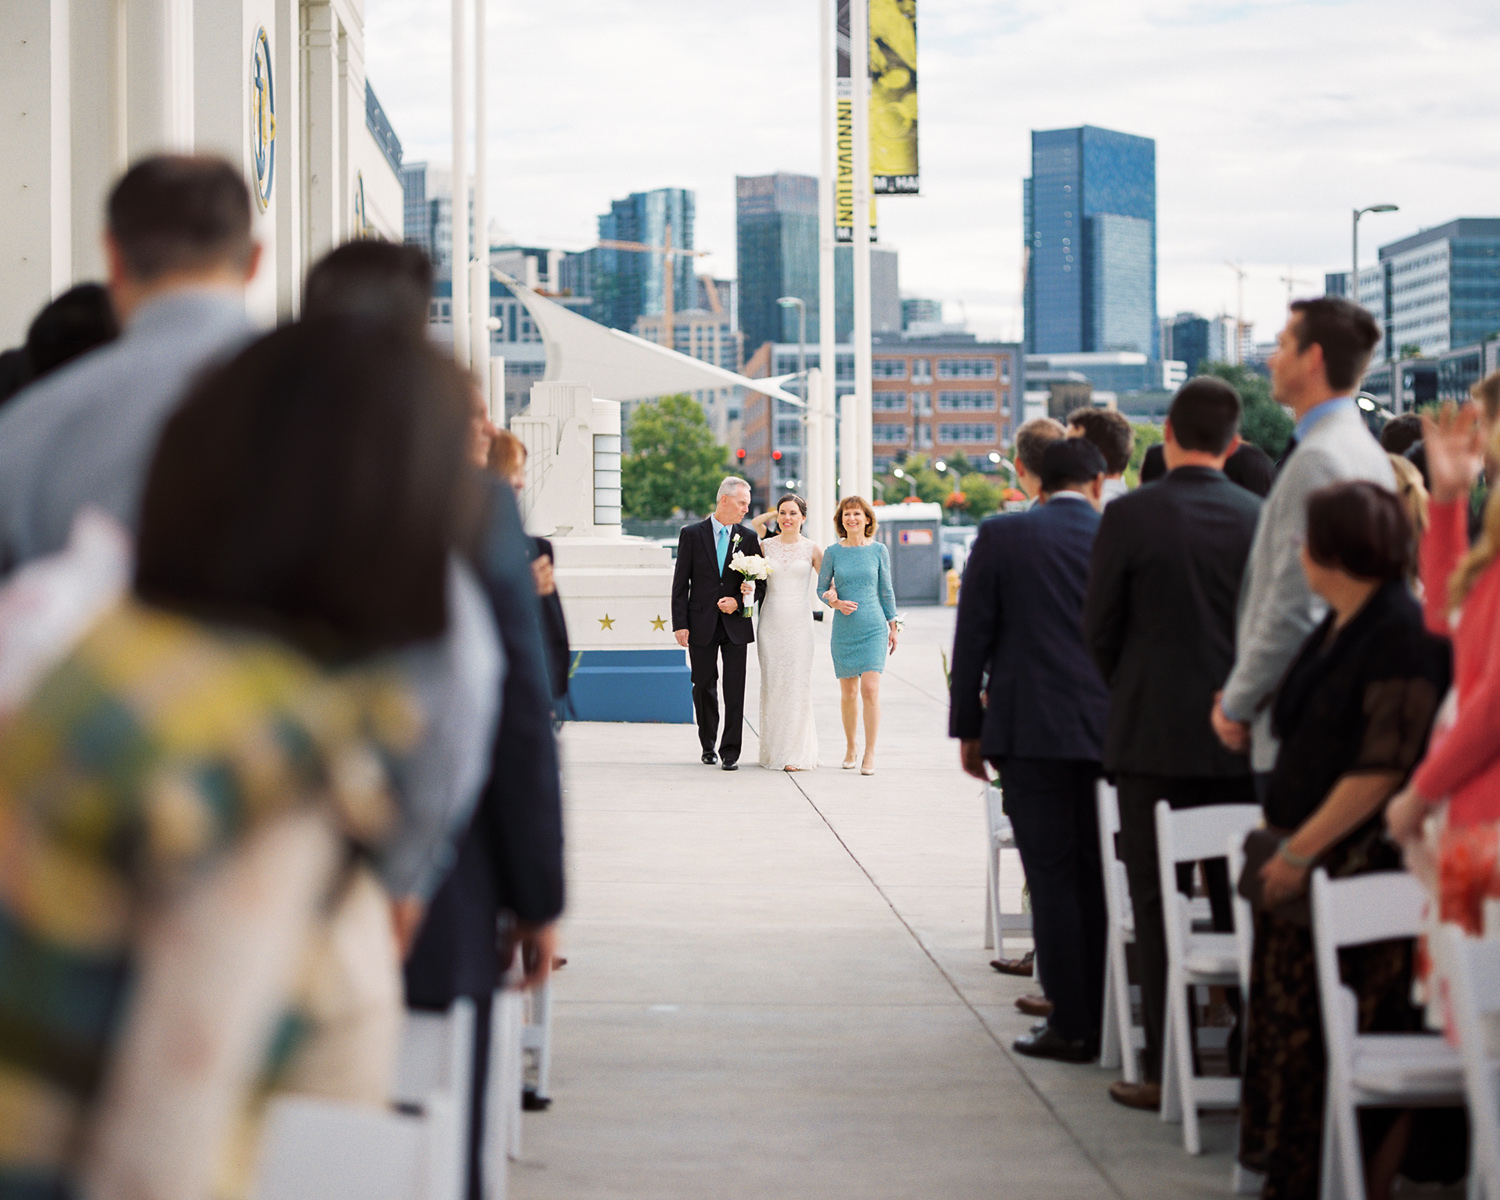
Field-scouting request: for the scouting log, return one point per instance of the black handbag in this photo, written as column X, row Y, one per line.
column 1260, row 846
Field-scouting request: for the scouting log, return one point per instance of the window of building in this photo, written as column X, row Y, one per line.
column 889, row 434
column 921, row 370
column 888, row 368
column 888, row 402
column 966, row 368
column 921, row 403
column 966, row 402
column 967, row 432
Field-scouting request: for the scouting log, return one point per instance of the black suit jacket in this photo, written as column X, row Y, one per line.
column 554, row 630
column 1020, row 619
column 698, row 584
column 1163, row 589
column 511, row 857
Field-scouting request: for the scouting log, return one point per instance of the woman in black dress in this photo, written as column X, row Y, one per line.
column 1353, row 716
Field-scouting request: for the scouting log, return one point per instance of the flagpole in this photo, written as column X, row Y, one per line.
column 822, row 489
column 458, row 256
column 859, row 78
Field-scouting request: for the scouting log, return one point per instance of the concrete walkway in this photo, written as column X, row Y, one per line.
column 776, row 986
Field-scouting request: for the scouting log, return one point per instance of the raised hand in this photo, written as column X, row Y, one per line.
column 1454, row 443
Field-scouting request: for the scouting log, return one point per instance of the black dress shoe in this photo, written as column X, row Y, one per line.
column 730, row 764
column 1048, row 1043
column 709, row 758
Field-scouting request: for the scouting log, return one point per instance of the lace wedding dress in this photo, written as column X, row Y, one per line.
column 784, row 642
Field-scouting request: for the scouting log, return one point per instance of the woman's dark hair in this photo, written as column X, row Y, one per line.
column 73, row 324
column 1360, row 528
column 312, row 487
column 385, row 281
column 795, row 499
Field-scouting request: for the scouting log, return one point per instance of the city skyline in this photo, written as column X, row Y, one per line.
column 1272, row 120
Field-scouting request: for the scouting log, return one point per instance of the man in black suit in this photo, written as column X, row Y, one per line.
column 710, row 620
column 1040, row 722
column 1159, row 618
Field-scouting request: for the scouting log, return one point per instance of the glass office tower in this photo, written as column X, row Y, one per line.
column 776, row 242
column 1090, row 223
column 627, row 284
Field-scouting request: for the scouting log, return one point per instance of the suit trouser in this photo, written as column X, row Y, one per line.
column 1051, row 806
column 1138, row 797
column 704, row 662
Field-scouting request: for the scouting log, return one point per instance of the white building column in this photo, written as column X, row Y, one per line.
column 479, row 272
column 459, row 242
column 859, row 78
column 287, row 200
column 322, row 143
column 827, row 295
column 158, row 76
column 36, row 205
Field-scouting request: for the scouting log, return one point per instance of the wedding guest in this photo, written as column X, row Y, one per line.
column 1113, row 437
column 788, row 733
column 711, row 620
column 1027, row 699
column 1319, row 359
column 1400, row 434
column 855, row 575
column 1412, row 493
column 70, row 326
column 236, row 710
column 1159, row 617
column 1247, row 465
column 1032, row 440
column 1352, row 718
column 180, row 252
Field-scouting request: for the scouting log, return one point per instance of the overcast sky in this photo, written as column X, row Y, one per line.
column 1272, row 119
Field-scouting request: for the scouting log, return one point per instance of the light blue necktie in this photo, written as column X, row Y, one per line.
column 723, row 545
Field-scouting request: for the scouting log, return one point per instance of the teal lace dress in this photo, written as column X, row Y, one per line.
column 861, row 574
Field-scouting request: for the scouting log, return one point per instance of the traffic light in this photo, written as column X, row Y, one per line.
column 776, row 455
column 740, row 454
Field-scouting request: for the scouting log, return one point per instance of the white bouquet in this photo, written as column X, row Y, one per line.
column 750, row 566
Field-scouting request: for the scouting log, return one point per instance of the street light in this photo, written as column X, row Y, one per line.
column 1354, row 274
column 911, row 481
column 789, row 302
column 999, row 460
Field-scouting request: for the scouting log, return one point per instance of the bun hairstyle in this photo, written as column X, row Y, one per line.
column 795, row 499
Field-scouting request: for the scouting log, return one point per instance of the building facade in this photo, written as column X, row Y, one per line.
column 776, row 250
column 628, row 284
column 712, row 338
column 276, row 86
column 1090, row 227
column 1194, row 340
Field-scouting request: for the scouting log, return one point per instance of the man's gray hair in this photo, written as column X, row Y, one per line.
column 731, row 482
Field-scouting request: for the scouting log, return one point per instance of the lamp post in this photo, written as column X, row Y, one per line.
column 789, row 302
column 910, row 481
column 999, row 460
column 1354, row 274
column 942, row 468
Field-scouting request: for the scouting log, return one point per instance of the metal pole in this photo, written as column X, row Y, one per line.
column 479, row 272
column 822, row 502
column 1354, row 268
column 458, row 256
column 803, row 390
column 859, row 78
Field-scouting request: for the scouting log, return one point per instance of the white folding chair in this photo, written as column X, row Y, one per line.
column 502, row 1101
column 1193, row 958
column 998, row 922
column 1119, row 1030
column 331, row 1150
column 1242, row 1180
column 1474, row 994
column 1406, row 1070
column 536, row 1037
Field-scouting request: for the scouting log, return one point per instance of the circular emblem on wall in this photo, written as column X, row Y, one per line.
column 262, row 118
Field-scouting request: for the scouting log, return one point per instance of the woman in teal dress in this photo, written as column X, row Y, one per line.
column 856, row 583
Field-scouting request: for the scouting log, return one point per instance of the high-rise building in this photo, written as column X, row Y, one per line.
column 710, row 337
column 1090, row 222
column 776, row 248
column 628, row 284
column 885, row 291
column 427, row 210
column 1196, row 340
column 921, row 311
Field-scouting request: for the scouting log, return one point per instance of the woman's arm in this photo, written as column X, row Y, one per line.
column 825, row 577
column 883, row 583
column 1444, row 544
column 762, row 523
column 1355, row 798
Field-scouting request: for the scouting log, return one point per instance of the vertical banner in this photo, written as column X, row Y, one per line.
column 893, row 97
column 843, row 188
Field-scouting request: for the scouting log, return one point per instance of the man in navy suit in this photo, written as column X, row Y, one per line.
column 710, row 620
column 1039, row 720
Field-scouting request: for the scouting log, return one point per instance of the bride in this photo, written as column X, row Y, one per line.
column 784, row 640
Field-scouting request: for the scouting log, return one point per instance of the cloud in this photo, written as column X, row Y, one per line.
column 1273, row 119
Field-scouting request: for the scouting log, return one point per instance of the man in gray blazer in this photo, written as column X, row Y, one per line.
column 180, row 254
column 1319, row 360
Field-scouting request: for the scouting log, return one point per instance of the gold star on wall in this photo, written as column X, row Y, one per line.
column 606, row 622
column 660, row 624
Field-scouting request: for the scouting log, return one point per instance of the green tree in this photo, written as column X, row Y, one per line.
column 1146, row 436
column 1265, row 423
column 981, row 495
column 674, row 462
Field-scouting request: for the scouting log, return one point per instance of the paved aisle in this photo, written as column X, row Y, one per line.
column 776, row 987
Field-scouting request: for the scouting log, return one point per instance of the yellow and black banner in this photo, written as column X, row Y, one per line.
column 893, row 97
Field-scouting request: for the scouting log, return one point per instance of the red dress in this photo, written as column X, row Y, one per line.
column 1463, row 762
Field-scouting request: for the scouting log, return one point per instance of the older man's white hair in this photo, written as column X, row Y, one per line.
column 730, row 484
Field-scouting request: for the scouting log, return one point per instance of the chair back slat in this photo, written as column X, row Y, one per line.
column 1197, row 833
column 1377, row 907
column 437, row 1053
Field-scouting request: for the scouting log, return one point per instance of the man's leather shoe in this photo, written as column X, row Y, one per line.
column 730, row 764
column 709, row 758
column 1034, row 1006
column 1051, row 1044
column 1015, row 966
column 1136, row 1095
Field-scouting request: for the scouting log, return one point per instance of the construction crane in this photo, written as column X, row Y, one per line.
column 669, row 254
column 1239, row 311
column 1291, row 282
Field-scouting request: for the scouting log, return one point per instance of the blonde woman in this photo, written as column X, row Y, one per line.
column 855, row 582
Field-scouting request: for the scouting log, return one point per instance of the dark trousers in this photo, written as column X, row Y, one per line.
column 1051, row 806
column 1138, row 797
column 704, row 661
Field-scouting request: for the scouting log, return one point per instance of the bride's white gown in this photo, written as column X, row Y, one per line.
column 784, row 643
